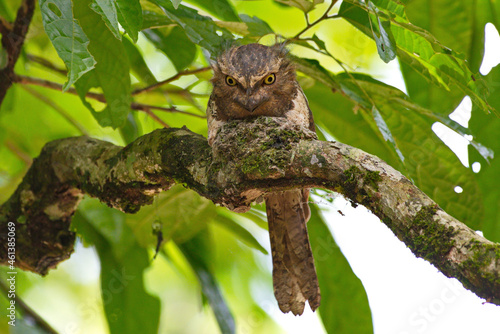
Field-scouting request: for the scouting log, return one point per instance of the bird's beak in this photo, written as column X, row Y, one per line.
column 253, row 104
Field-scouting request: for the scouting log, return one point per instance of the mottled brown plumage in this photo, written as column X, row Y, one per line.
column 255, row 80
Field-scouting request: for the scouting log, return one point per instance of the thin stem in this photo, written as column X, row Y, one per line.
column 57, row 108
column 28, row 311
column 54, row 85
column 25, row 157
column 169, row 80
column 143, row 107
column 47, row 64
column 322, row 18
column 156, row 118
column 99, row 97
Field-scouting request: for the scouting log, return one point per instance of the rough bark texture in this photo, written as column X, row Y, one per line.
column 248, row 160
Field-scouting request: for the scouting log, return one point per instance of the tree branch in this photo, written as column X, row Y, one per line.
column 99, row 97
column 169, row 80
column 247, row 159
column 12, row 42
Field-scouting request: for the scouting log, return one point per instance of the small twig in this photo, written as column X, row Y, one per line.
column 47, row 64
column 28, row 311
column 25, row 157
column 322, row 18
column 99, row 97
column 153, row 116
column 173, row 78
column 307, row 19
column 143, row 107
column 54, row 85
column 57, row 108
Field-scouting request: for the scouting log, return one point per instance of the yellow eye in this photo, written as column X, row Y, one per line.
column 230, row 81
column 270, row 79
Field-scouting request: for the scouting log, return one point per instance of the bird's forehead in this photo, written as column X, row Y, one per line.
column 249, row 63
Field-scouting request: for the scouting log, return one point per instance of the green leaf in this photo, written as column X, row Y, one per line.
column 130, row 16
column 256, row 26
column 174, row 44
column 201, row 30
column 68, row 38
column 26, row 325
column 138, row 66
column 111, row 73
column 152, row 19
column 457, row 24
column 132, row 129
column 176, row 3
column 386, row 132
column 197, row 251
column 224, row 219
column 182, row 213
column 344, row 304
column 107, row 10
column 312, row 68
column 304, row 5
column 222, row 9
column 420, row 50
column 346, row 123
column 432, row 166
column 386, row 45
column 486, row 129
column 129, row 308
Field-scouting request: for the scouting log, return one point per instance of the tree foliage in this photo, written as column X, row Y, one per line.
column 127, row 67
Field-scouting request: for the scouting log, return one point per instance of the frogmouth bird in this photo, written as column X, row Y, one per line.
column 256, row 80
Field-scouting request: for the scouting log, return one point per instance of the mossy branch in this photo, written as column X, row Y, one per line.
column 247, row 159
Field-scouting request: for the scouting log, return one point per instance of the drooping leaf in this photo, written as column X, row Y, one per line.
column 68, row 38
column 344, row 304
column 132, row 129
column 460, row 26
column 312, row 68
column 197, row 251
column 222, row 9
column 152, row 19
column 338, row 115
column 486, row 129
column 128, row 307
column 420, row 50
column 251, row 27
column 174, row 44
column 176, row 3
column 386, row 132
column 432, row 166
column 130, row 16
column 238, row 230
column 256, row 26
column 137, row 64
column 386, row 45
column 200, row 29
column 107, row 10
column 25, row 326
column 457, row 24
column 181, row 213
column 304, row 5
column 111, row 72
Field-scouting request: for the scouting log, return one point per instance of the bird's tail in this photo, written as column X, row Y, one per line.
column 294, row 274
